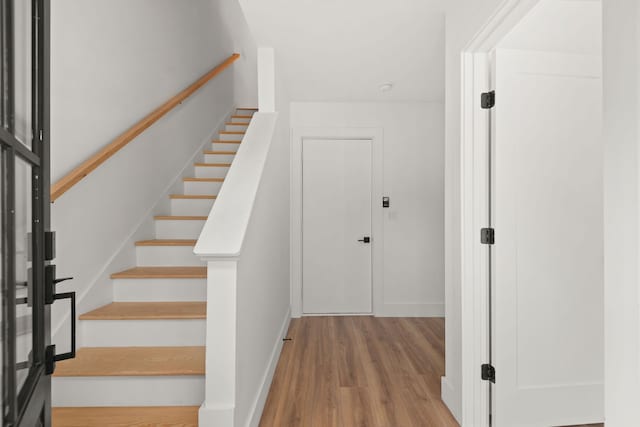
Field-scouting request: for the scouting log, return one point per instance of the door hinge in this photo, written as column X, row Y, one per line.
column 487, row 236
column 488, row 373
column 488, row 100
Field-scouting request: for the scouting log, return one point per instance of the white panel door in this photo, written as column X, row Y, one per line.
column 548, row 256
column 336, row 214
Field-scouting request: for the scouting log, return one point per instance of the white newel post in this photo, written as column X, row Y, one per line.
column 220, row 370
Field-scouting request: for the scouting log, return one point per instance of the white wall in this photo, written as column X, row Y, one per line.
column 115, row 61
column 463, row 21
column 573, row 27
column 413, row 179
column 622, row 238
column 263, row 285
column 232, row 30
column 112, row 63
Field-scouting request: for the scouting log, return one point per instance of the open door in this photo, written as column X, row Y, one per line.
column 27, row 246
column 547, row 259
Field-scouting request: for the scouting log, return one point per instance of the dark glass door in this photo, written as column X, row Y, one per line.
column 24, row 212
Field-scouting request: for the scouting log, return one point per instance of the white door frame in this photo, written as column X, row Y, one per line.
column 297, row 136
column 474, row 196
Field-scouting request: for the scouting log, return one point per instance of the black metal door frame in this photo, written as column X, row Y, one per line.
column 30, row 405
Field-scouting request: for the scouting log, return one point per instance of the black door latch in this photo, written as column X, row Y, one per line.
column 50, row 297
column 365, row 239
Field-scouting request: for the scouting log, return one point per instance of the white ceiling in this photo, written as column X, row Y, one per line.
column 567, row 26
column 343, row 50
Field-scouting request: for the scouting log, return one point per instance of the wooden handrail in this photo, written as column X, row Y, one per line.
column 77, row 174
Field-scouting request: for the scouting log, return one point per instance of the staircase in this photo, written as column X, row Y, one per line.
column 143, row 363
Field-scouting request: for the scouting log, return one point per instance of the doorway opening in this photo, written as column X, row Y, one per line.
column 533, row 336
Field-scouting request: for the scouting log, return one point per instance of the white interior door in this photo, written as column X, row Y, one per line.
column 336, row 215
column 548, row 257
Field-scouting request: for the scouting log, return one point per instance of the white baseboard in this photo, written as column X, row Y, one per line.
column 215, row 416
column 448, row 397
column 411, row 310
column 256, row 410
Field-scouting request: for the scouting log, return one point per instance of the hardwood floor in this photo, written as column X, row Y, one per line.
column 359, row 372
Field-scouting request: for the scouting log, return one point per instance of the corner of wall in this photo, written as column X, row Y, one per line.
column 255, row 413
column 451, row 398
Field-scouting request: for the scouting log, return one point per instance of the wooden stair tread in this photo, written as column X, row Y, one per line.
column 162, row 273
column 221, row 141
column 166, row 242
column 228, row 153
column 213, row 165
column 113, row 416
column 179, row 218
column 237, row 124
column 133, row 361
column 192, row 196
column 231, row 132
column 148, row 311
column 203, row 179
column 247, row 109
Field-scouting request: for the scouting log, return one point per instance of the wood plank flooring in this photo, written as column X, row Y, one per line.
column 359, row 371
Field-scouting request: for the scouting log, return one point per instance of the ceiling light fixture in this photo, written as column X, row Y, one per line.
column 386, row 87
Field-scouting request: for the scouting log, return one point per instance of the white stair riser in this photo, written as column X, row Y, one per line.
column 178, row 229
column 158, row 256
column 158, row 290
column 241, row 120
column 236, row 127
column 211, row 171
column 128, row 391
column 219, row 158
column 244, row 112
column 198, row 187
column 224, row 146
column 141, row 333
column 198, row 207
column 230, row 137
